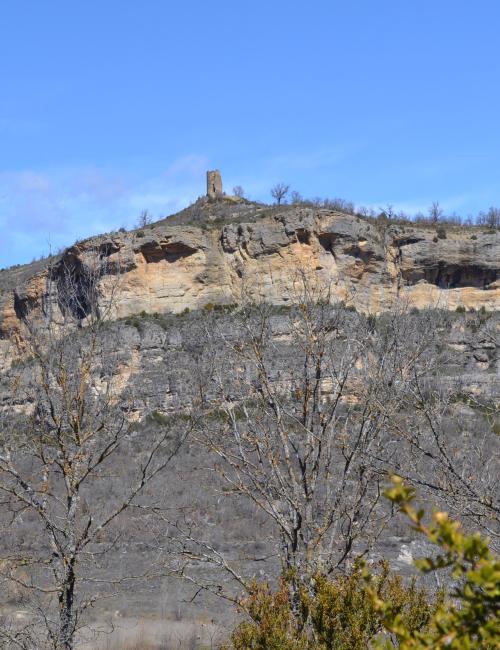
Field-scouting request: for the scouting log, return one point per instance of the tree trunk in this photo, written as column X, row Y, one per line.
column 66, row 613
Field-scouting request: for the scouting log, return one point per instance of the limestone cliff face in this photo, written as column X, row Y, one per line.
column 258, row 252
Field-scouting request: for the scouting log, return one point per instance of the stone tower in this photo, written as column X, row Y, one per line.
column 214, row 184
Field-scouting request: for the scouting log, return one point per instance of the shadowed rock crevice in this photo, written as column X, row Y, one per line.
column 154, row 252
column 108, row 248
column 327, row 241
column 177, row 250
column 23, row 305
column 452, row 276
column 303, row 236
column 366, row 255
column 408, row 241
column 77, row 292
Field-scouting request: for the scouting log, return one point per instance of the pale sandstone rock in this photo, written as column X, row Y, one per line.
column 173, row 267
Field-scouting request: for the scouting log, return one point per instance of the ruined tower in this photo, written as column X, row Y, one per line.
column 214, row 184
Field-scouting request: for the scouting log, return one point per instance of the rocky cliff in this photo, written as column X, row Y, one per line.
column 221, row 252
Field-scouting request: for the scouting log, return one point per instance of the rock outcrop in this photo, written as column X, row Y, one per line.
column 220, row 253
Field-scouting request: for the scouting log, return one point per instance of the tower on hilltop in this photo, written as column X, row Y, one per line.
column 214, row 184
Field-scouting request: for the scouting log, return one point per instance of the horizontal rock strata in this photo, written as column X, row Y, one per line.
column 259, row 253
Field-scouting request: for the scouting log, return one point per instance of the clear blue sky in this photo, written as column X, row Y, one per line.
column 109, row 107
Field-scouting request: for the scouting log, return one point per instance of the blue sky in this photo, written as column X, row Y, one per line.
column 110, row 107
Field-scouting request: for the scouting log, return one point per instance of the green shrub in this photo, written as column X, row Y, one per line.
column 435, row 240
column 372, row 322
column 441, row 233
column 134, row 321
column 140, row 233
column 377, row 610
column 473, row 236
column 340, row 614
column 227, row 307
column 158, row 418
column 471, row 620
column 460, row 309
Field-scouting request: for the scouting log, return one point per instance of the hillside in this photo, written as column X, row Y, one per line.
column 224, row 252
column 192, row 298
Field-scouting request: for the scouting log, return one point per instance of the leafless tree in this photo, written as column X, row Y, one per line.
column 444, row 441
column 279, row 191
column 296, row 197
column 337, row 203
column 491, row 219
column 388, row 212
column 308, row 429
column 301, row 438
column 435, row 212
column 144, row 219
column 65, row 439
column 238, row 191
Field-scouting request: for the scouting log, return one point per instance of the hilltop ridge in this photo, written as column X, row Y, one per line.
column 220, row 252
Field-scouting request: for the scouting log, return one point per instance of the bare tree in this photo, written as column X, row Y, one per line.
column 296, row 197
column 314, row 407
column 491, row 219
column 238, row 191
column 444, row 439
column 65, row 439
column 303, row 430
column 144, row 219
column 279, row 191
column 365, row 212
column 435, row 212
column 388, row 212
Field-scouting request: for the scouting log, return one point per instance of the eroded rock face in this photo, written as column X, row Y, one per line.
column 168, row 268
column 157, row 358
